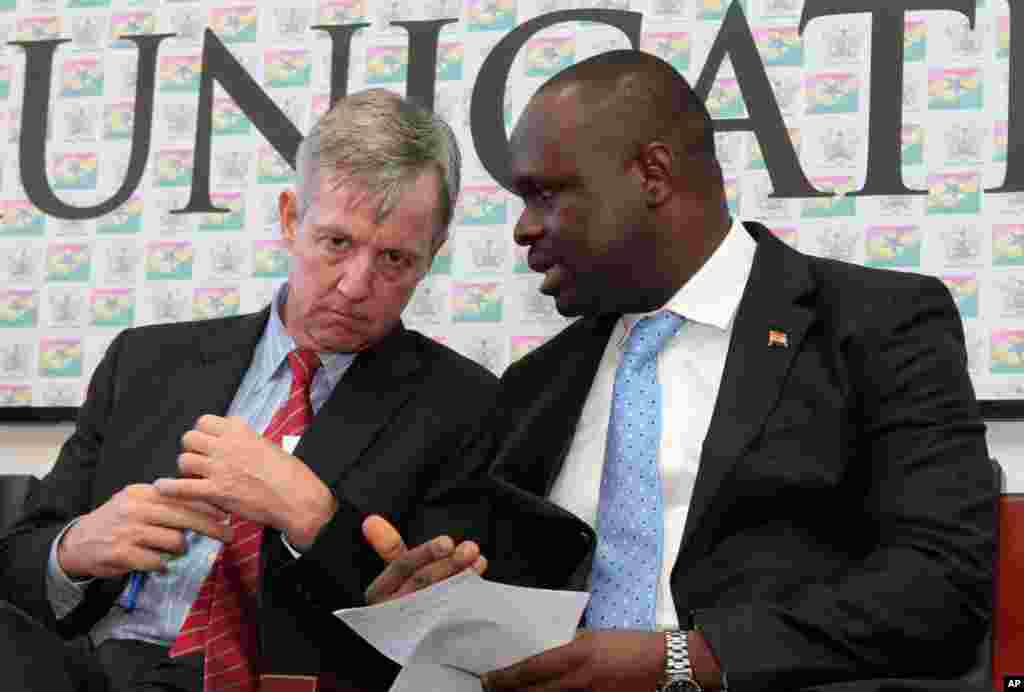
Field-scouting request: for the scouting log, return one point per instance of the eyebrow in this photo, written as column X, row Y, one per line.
column 520, row 183
column 337, row 229
column 332, row 228
column 524, row 181
column 521, row 178
column 527, row 180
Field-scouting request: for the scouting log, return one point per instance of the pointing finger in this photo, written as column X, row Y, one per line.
column 383, row 537
column 400, row 570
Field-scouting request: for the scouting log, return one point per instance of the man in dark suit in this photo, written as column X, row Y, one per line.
column 115, row 552
column 768, row 468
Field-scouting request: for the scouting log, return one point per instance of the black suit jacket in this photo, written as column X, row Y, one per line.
column 389, row 440
column 841, row 526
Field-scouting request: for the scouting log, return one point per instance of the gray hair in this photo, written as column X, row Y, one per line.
column 381, row 142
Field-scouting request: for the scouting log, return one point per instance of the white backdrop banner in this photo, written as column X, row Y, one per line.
column 144, row 145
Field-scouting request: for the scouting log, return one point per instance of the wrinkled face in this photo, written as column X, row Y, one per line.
column 585, row 220
column 351, row 277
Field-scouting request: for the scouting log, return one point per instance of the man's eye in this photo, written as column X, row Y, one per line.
column 544, row 195
column 394, row 258
column 338, row 243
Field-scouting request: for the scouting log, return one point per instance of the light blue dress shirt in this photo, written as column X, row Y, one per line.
column 165, row 599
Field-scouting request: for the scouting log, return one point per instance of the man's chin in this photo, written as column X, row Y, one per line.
column 573, row 304
column 568, row 304
column 342, row 341
column 567, row 309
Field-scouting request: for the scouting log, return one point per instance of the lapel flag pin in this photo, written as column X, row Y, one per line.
column 777, row 338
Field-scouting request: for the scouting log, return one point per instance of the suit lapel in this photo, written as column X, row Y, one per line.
column 361, row 405
column 754, row 369
column 579, row 376
column 556, row 403
column 531, row 455
column 224, row 350
column 363, row 402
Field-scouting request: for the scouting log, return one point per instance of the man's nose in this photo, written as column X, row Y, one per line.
column 529, row 228
column 356, row 280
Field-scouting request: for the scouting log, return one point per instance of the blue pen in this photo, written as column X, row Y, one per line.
column 131, row 595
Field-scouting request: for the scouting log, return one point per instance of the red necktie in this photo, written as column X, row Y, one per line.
column 222, row 620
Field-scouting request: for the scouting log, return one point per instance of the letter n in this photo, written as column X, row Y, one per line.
column 220, row 65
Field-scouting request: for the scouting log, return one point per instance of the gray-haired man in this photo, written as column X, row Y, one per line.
column 183, row 428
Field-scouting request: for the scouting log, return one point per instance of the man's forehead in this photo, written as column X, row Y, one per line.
column 555, row 107
column 547, row 131
column 342, row 195
column 343, row 190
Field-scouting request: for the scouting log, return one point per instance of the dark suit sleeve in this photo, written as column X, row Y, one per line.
column 63, row 494
column 914, row 605
column 340, row 565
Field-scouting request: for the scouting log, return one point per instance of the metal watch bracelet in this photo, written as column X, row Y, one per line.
column 678, row 672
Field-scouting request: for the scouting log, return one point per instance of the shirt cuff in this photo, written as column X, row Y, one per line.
column 63, row 592
column 291, row 549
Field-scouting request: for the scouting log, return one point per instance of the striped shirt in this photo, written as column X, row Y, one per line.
column 165, row 599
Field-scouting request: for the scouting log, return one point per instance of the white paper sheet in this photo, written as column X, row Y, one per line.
column 465, row 626
column 420, row 677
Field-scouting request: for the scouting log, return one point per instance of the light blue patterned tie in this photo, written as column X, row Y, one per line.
column 630, row 519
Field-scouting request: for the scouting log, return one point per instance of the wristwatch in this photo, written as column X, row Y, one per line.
column 678, row 673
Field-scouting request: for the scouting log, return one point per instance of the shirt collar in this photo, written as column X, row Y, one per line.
column 712, row 295
column 276, row 343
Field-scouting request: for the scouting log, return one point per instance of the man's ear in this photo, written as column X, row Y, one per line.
column 288, row 215
column 435, row 245
column 656, row 164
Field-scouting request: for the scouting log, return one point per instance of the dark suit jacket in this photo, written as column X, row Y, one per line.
column 389, row 440
column 841, row 526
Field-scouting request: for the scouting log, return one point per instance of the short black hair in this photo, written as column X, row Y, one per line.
column 642, row 98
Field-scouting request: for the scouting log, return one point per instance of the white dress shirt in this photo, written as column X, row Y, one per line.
column 689, row 371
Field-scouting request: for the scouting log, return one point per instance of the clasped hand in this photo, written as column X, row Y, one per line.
column 231, row 466
column 227, row 467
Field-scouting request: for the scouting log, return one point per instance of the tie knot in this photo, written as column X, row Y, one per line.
column 304, row 363
column 650, row 334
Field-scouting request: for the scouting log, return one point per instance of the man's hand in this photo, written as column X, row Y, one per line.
column 597, row 660
column 230, row 465
column 135, row 530
column 411, row 570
